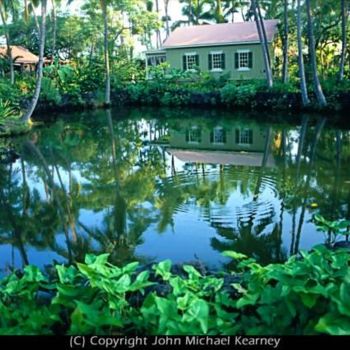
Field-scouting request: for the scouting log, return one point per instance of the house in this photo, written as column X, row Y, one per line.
column 24, row 60
column 233, row 49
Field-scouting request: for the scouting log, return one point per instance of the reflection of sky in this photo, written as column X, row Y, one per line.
column 189, row 236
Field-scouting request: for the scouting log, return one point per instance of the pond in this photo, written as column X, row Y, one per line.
column 153, row 184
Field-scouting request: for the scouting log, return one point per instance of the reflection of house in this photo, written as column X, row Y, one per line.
column 221, row 145
column 221, row 157
column 235, row 138
column 227, row 48
column 24, row 60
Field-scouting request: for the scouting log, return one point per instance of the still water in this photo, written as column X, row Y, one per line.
column 158, row 184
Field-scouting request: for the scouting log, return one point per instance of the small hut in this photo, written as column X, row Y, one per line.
column 24, row 60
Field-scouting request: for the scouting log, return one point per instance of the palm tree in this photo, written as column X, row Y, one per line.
column 285, row 42
column 312, row 47
column 39, row 74
column 54, row 25
column 104, row 5
column 7, row 38
column 263, row 41
column 166, row 18
column 219, row 18
column 344, row 41
column 303, row 86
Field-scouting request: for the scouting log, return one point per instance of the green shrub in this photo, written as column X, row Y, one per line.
column 238, row 95
column 49, row 92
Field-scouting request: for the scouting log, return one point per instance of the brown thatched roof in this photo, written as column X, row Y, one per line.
column 20, row 54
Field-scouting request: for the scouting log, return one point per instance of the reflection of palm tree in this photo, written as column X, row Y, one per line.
column 34, row 150
column 294, row 249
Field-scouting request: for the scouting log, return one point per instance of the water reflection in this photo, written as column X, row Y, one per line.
column 179, row 188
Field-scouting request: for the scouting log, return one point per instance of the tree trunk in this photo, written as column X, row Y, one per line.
column 317, row 85
column 218, row 12
column 166, row 8
column 265, row 52
column 39, row 74
column 344, row 40
column 159, row 38
column 8, row 45
column 285, row 44
column 106, row 54
column 54, row 29
column 263, row 32
column 303, row 86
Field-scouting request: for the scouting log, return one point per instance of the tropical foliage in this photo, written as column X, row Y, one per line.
column 97, row 297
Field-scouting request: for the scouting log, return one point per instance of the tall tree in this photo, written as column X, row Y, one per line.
column 166, row 17
column 344, row 15
column 106, row 53
column 8, row 42
column 39, row 73
column 219, row 17
column 54, row 25
column 264, row 44
column 303, row 85
column 285, row 42
column 312, row 48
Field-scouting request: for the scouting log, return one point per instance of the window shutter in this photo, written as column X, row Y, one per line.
column 236, row 60
column 212, row 136
column 210, row 63
column 197, row 60
column 250, row 60
column 184, row 62
column 237, row 136
column 223, row 61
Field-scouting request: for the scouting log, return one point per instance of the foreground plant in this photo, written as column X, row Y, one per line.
column 309, row 294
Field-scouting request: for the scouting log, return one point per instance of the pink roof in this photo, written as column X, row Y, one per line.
column 219, row 34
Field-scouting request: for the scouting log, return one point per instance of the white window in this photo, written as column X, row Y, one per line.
column 194, row 135
column 217, row 61
column 219, row 136
column 191, row 61
column 244, row 136
column 244, row 60
column 155, row 60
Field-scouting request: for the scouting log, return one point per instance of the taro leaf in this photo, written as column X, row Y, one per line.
column 99, row 259
column 33, row 274
column 333, row 324
column 163, row 269
column 123, row 284
column 198, row 311
column 247, row 299
column 141, row 282
column 66, row 275
column 192, row 272
column 178, row 285
column 129, row 268
column 234, row 255
column 344, row 299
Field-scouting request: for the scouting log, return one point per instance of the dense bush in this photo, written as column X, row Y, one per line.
column 309, row 294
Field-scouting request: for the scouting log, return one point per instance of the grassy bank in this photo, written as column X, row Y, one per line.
column 309, row 294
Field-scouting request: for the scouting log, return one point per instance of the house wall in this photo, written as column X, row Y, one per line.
column 175, row 59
